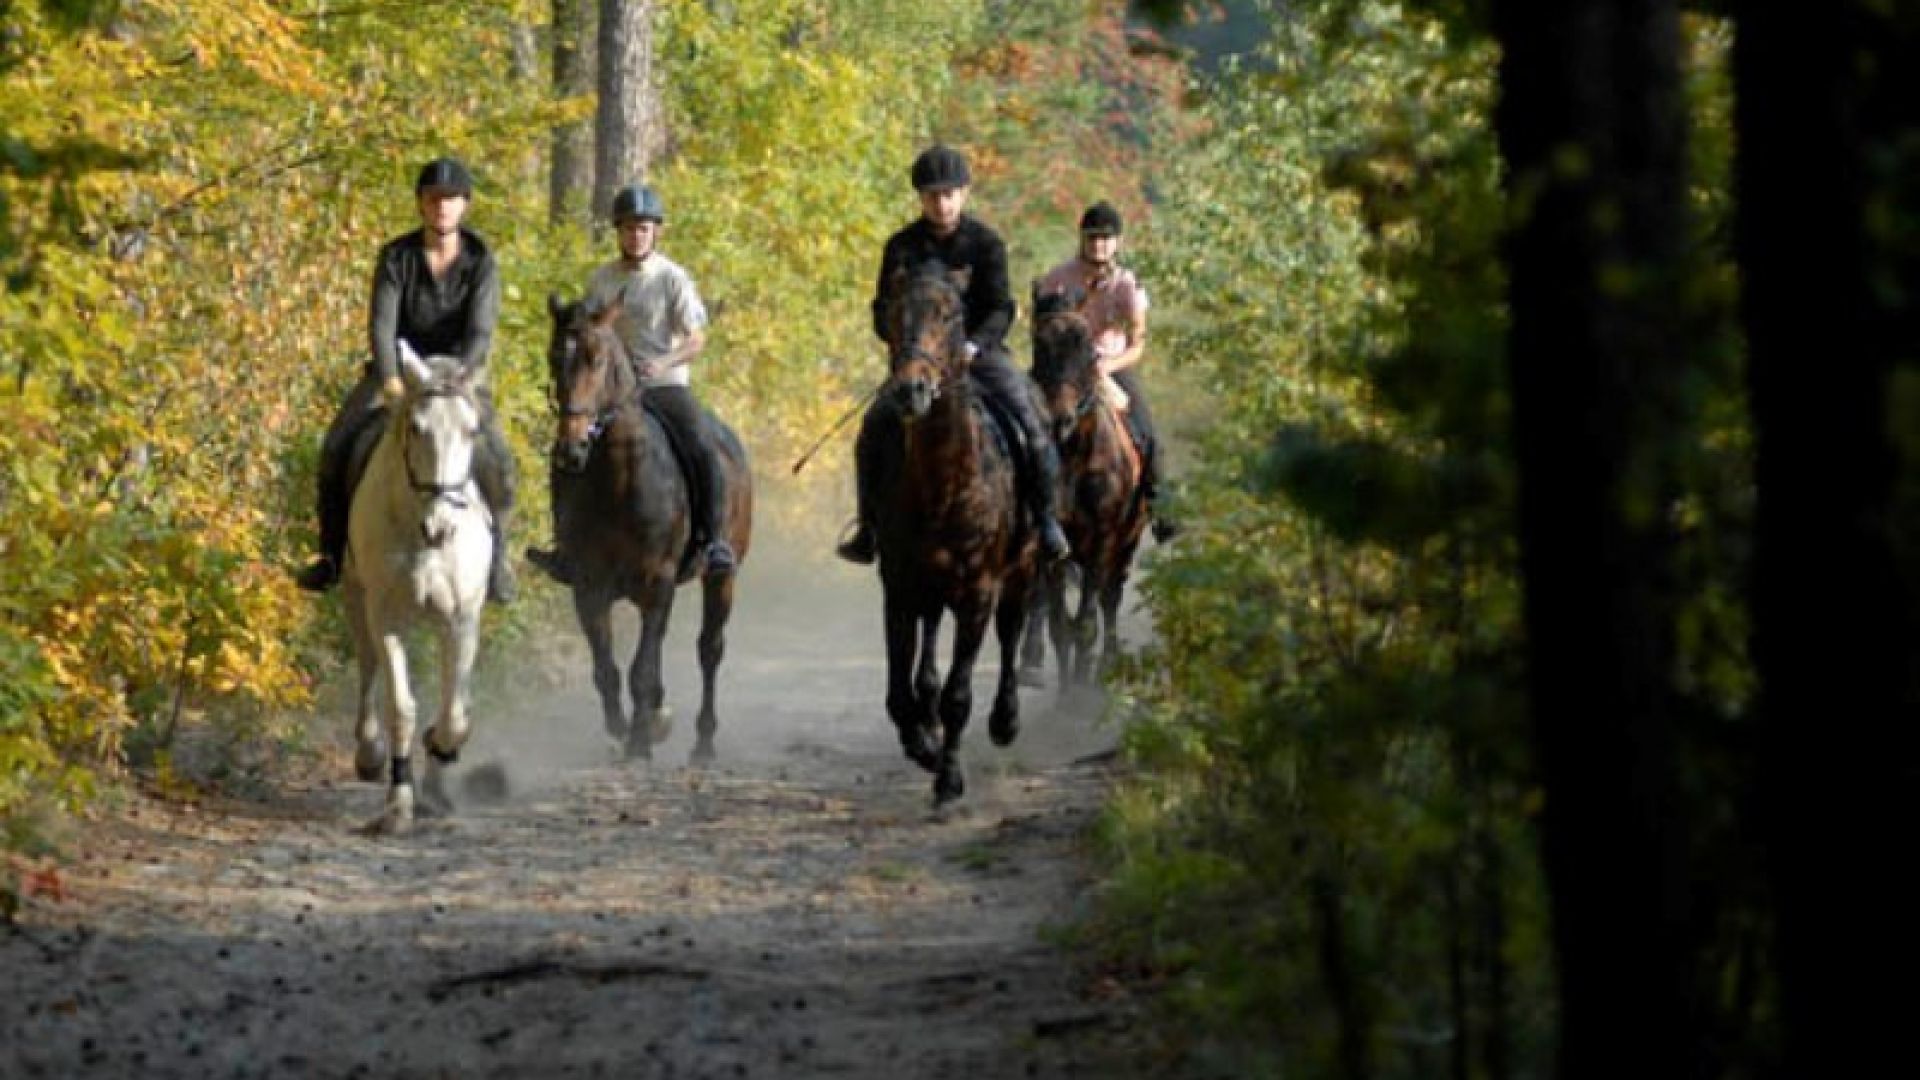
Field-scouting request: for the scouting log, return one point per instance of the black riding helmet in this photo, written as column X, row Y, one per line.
column 638, row 201
column 940, row 167
column 445, row 173
column 1100, row 220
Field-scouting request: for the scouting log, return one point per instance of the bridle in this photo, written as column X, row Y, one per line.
column 601, row 416
column 455, row 493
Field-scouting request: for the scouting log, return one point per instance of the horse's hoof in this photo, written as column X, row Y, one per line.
column 444, row 757
column 660, row 725
column 1003, row 728
column 949, row 784
column 616, row 727
column 702, row 755
column 1031, row 677
column 639, row 752
column 919, row 749
column 369, row 763
column 388, row 824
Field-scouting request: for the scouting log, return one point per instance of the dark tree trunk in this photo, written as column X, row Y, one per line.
column 1828, row 214
column 1592, row 124
column 570, row 183
column 627, row 126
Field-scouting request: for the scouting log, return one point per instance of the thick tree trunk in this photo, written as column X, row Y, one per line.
column 1828, row 206
column 628, row 129
column 576, row 26
column 1592, row 123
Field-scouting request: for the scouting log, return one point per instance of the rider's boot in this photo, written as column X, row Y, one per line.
column 860, row 546
column 1044, row 471
column 501, row 586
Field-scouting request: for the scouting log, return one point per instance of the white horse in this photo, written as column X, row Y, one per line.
column 419, row 546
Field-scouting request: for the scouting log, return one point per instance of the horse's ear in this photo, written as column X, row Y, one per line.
column 604, row 317
column 555, row 308
column 413, row 370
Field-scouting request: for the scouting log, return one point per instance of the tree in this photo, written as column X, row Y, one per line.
column 1828, row 214
column 575, row 41
column 1592, row 123
column 629, row 129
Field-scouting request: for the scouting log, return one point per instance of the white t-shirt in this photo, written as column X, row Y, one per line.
column 659, row 308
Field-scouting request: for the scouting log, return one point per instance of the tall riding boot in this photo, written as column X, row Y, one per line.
column 556, row 560
column 720, row 557
column 501, row 586
column 333, row 494
column 1165, row 528
column 1044, row 484
column 862, row 547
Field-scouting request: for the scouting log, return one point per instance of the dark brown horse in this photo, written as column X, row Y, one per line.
column 1103, row 509
column 950, row 536
column 624, row 518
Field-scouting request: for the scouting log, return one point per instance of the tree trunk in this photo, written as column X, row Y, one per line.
column 627, row 128
column 1592, row 124
column 570, row 183
column 1826, row 237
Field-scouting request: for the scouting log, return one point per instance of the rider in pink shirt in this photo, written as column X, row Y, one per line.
column 1115, row 306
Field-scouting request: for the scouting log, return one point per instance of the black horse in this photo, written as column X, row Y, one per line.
column 949, row 531
column 622, row 511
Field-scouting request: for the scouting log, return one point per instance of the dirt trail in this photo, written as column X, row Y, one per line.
column 796, row 911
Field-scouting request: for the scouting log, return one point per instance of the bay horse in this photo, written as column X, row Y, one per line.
column 625, row 519
column 419, row 546
column 1103, row 506
column 949, row 531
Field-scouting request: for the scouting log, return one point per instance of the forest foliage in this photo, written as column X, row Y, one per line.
column 191, row 194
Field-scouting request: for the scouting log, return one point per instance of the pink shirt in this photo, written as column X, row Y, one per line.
column 1109, row 305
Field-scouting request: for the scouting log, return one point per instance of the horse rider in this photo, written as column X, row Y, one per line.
column 960, row 241
column 436, row 288
column 1115, row 306
column 662, row 323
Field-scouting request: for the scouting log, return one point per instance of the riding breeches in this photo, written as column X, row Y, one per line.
column 1006, row 390
column 359, row 415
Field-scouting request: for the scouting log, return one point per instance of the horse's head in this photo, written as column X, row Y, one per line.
column 438, row 423
column 591, row 376
column 1063, row 360
column 927, row 326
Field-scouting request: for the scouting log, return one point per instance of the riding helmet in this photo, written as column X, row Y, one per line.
column 1100, row 219
column 940, row 167
column 638, row 201
column 445, row 172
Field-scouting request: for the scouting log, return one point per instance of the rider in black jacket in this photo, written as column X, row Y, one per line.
column 437, row 289
column 944, row 232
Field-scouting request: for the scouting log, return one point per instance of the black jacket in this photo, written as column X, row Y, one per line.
column 453, row 316
column 972, row 246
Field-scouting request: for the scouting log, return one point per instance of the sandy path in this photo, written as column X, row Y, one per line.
column 795, row 911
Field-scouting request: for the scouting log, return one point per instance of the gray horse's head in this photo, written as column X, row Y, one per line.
column 439, row 424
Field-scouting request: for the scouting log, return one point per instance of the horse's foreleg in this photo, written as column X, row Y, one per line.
column 1056, row 589
column 926, row 679
column 717, row 592
column 370, row 754
column 956, row 700
column 459, row 644
column 398, row 816
column 1085, row 627
column 1110, row 596
column 1033, row 654
column 594, row 608
column 903, row 704
column 650, row 724
column 1010, row 620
